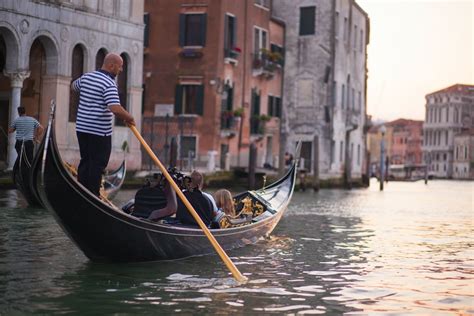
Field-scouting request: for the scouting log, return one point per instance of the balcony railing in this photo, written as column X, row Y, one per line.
column 267, row 62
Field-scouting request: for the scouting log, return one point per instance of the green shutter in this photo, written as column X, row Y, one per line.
column 270, row 105
column 200, row 100
column 178, row 100
column 182, row 30
column 230, row 99
column 203, row 29
column 226, row 36
column 234, row 33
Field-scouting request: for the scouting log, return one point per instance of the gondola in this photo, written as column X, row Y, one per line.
column 113, row 181
column 107, row 234
column 22, row 178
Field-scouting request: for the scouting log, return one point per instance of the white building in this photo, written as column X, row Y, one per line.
column 449, row 112
column 46, row 44
column 325, row 84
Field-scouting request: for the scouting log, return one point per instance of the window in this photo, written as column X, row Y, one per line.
column 227, row 107
column 146, row 30
column 446, row 137
column 360, row 100
column 344, row 31
column 260, row 41
column 122, row 85
column 354, row 43
column 341, row 151
column 263, row 3
column 334, row 93
column 189, row 99
column 307, row 20
column 274, row 106
column 353, row 99
column 343, row 95
column 274, row 48
column 336, row 25
column 99, row 58
column 358, row 154
column 256, row 126
column 192, row 29
column 76, row 71
column 361, row 40
column 333, row 154
column 187, row 147
column 230, row 39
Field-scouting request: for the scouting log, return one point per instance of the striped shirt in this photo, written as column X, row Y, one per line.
column 25, row 127
column 97, row 91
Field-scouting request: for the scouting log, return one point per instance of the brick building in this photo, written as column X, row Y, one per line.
column 406, row 139
column 45, row 44
column 212, row 74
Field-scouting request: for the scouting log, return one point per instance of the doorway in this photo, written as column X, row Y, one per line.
column 306, row 154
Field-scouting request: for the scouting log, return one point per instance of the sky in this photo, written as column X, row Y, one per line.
column 416, row 47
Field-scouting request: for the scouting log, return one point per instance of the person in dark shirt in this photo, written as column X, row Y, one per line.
column 201, row 203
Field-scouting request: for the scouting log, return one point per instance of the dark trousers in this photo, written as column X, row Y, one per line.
column 95, row 153
column 29, row 147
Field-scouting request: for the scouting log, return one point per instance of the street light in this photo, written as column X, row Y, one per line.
column 383, row 129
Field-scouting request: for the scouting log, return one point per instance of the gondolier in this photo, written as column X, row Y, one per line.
column 27, row 130
column 98, row 103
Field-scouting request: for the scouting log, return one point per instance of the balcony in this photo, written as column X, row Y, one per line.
column 231, row 55
column 266, row 63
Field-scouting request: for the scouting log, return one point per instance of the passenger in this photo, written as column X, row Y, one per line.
column 202, row 202
column 224, row 202
column 171, row 204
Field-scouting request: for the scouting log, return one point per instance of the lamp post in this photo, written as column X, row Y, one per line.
column 382, row 160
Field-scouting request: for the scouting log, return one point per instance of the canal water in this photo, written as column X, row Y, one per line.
column 406, row 250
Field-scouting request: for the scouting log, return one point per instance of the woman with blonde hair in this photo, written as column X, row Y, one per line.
column 224, row 202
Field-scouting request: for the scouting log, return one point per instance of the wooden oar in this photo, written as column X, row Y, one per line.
column 230, row 265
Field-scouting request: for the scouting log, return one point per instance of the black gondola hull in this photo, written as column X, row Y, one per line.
column 106, row 234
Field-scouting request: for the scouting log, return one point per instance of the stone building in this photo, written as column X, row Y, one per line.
column 463, row 156
column 212, row 74
column 325, row 84
column 449, row 112
column 46, row 44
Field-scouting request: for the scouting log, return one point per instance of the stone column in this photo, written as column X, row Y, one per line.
column 16, row 83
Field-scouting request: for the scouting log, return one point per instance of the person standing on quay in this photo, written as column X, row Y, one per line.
column 98, row 103
column 27, row 130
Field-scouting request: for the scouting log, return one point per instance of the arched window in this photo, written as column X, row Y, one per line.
column 77, row 69
column 122, row 85
column 99, row 58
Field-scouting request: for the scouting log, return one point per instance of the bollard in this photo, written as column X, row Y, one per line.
column 252, row 165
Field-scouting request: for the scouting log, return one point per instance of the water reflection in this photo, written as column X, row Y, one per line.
column 334, row 252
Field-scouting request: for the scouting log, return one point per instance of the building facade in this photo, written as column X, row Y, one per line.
column 325, row 84
column 449, row 112
column 46, row 44
column 406, row 139
column 212, row 74
column 463, row 157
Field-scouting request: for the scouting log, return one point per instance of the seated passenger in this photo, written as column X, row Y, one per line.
column 201, row 202
column 171, row 204
column 224, row 202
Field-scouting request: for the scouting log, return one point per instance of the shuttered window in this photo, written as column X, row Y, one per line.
column 192, row 29
column 274, row 106
column 146, row 30
column 230, row 33
column 307, row 20
column 189, row 99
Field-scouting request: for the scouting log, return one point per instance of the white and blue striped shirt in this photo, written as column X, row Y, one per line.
column 98, row 91
column 25, row 127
